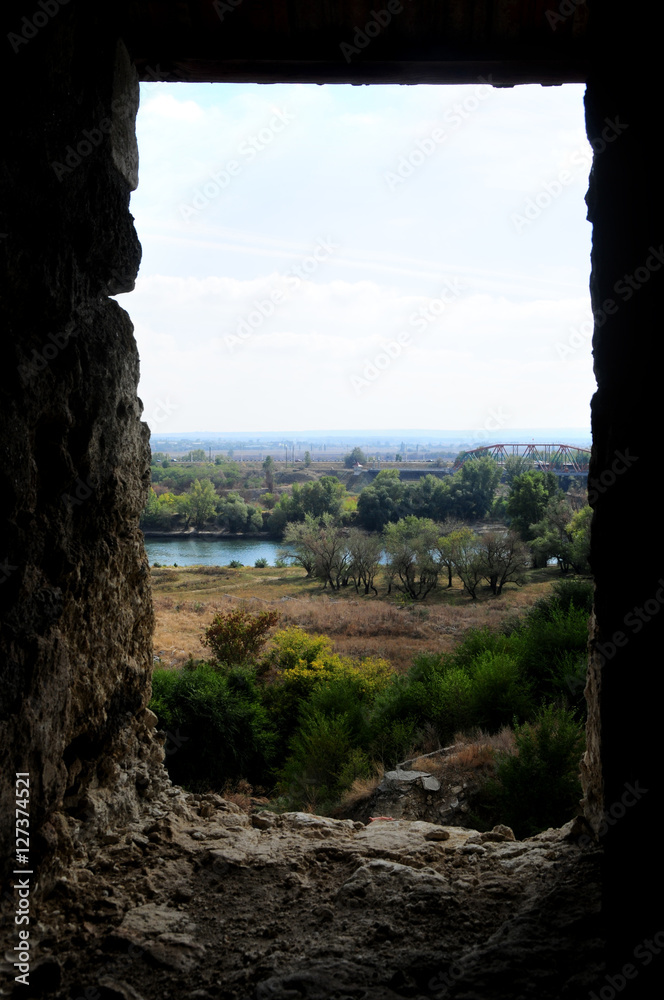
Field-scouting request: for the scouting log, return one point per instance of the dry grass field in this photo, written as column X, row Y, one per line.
column 187, row 598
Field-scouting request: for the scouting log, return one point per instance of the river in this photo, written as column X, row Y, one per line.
column 210, row 551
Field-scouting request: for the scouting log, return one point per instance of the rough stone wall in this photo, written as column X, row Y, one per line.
column 74, row 595
column 626, row 207
column 75, row 651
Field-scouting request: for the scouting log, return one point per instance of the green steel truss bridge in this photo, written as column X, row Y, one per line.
column 562, row 459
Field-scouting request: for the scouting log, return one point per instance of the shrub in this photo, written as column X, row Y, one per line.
column 304, row 665
column 548, row 644
column 393, row 745
column 538, row 786
column 238, row 635
column 575, row 593
column 499, row 693
column 217, row 728
column 261, row 563
column 236, row 564
column 319, row 751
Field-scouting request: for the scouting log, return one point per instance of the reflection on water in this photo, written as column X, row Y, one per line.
column 210, row 551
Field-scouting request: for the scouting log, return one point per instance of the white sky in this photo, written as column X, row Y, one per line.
column 492, row 307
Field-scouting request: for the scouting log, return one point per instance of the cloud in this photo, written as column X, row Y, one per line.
column 209, row 278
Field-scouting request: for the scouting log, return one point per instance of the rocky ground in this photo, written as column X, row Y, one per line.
column 204, row 901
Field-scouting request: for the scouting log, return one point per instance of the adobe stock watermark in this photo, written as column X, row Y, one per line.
column 224, row 7
column 628, row 284
column 91, row 139
column 579, row 337
column 566, row 8
column 379, row 20
column 635, row 620
column 644, row 952
column 174, row 742
column 41, row 357
column 6, row 570
column 81, row 491
column 496, row 419
column 552, row 189
column 454, row 118
column 248, row 150
column 32, row 25
column 619, row 466
column 441, row 982
column 55, row 343
column 629, row 798
column 625, row 288
column 392, row 349
column 264, row 308
column 161, row 411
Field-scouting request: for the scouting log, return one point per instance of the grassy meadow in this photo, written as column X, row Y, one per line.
column 187, row 598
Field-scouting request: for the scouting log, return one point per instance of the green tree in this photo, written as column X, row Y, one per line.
column 381, row 503
column 505, row 557
column 198, row 455
column 445, row 548
column 579, row 529
column 431, row 498
column 551, row 538
column 466, row 553
column 528, row 499
column 325, row 496
column 411, row 545
column 268, row 469
column 237, row 516
column 199, row 503
column 332, row 554
column 300, row 537
column 356, row 455
column 307, row 458
column 516, row 465
column 365, row 555
column 473, row 488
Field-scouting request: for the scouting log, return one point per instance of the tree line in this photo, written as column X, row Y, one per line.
column 338, row 535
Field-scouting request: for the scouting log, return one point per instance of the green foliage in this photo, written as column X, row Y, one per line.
column 465, row 551
column 261, row 563
column 159, row 511
column 468, row 494
column 500, row 691
column 268, row 469
column 216, row 727
column 236, row 564
column 237, row 516
column 323, row 497
column 313, row 720
column 527, row 502
column 550, row 642
column 356, row 455
column 411, row 545
column 200, row 503
column 473, row 488
column 538, row 786
column 319, row 750
column 238, row 635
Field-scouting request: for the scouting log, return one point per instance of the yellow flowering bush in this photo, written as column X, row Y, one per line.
column 303, row 661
